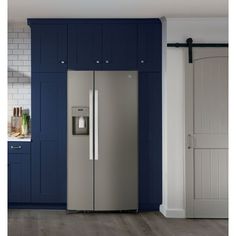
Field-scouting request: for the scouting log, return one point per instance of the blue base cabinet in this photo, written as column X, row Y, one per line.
column 18, row 172
column 49, row 122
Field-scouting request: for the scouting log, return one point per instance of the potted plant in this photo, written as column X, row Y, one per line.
column 25, row 124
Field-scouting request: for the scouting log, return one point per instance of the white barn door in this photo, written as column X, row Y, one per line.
column 207, row 134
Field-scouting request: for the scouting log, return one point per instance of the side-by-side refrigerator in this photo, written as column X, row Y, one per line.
column 102, row 141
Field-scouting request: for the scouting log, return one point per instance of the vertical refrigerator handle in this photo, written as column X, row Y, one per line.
column 96, row 124
column 90, row 124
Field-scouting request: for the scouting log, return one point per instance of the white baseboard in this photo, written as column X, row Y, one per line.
column 172, row 213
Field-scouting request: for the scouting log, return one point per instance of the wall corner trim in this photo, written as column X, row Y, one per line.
column 172, row 213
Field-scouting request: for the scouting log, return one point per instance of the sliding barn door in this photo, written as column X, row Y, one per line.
column 207, row 134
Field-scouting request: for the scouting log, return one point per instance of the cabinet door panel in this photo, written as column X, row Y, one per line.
column 119, row 46
column 149, row 46
column 150, row 141
column 49, row 48
column 85, row 46
column 49, row 137
column 18, row 178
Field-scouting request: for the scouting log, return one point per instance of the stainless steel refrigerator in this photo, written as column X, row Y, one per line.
column 102, row 141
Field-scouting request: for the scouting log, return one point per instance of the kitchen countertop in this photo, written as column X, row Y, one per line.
column 15, row 139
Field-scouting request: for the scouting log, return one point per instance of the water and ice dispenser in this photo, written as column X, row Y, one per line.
column 80, row 120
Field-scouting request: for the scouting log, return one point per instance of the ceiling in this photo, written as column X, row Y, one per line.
column 20, row 10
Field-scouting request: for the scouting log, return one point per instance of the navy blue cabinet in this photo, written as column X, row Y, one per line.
column 49, row 48
column 150, row 141
column 85, row 46
column 93, row 44
column 119, row 46
column 49, row 122
column 150, row 46
column 18, row 172
column 107, row 46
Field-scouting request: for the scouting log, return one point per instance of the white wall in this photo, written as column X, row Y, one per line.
column 204, row 30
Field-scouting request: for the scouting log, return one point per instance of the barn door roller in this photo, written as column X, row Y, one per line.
column 190, row 50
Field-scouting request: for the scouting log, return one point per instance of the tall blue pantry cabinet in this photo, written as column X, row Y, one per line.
column 59, row 45
column 49, row 120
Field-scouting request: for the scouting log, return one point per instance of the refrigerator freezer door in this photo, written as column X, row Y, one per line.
column 79, row 165
column 116, row 170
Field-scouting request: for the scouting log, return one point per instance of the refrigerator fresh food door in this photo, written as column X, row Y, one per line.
column 79, row 143
column 116, row 140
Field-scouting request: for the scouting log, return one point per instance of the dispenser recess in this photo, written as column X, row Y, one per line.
column 80, row 120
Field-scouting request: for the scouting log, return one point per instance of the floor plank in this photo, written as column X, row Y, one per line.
column 59, row 223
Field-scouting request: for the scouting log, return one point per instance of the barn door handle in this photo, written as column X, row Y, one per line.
column 190, row 141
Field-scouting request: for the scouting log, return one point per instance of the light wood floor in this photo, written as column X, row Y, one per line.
column 58, row 223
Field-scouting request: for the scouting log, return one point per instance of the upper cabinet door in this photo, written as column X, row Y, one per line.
column 149, row 46
column 85, row 46
column 119, row 46
column 49, row 48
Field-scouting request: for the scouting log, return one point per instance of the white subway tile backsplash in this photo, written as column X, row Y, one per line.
column 24, row 80
column 23, row 57
column 27, row 73
column 27, row 40
column 18, row 40
column 12, row 90
column 27, row 52
column 17, row 63
column 18, row 85
column 12, row 57
column 18, row 29
column 16, row 74
column 12, row 46
column 27, row 29
column 27, row 96
column 24, row 46
column 17, row 51
column 19, row 67
column 12, row 80
column 12, row 68
column 27, row 85
column 17, row 96
column 12, row 102
column 12, row 35
column 23, row 102
column 24, row 68
column 27, row 63
column 24, row 35
column 23, row 91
